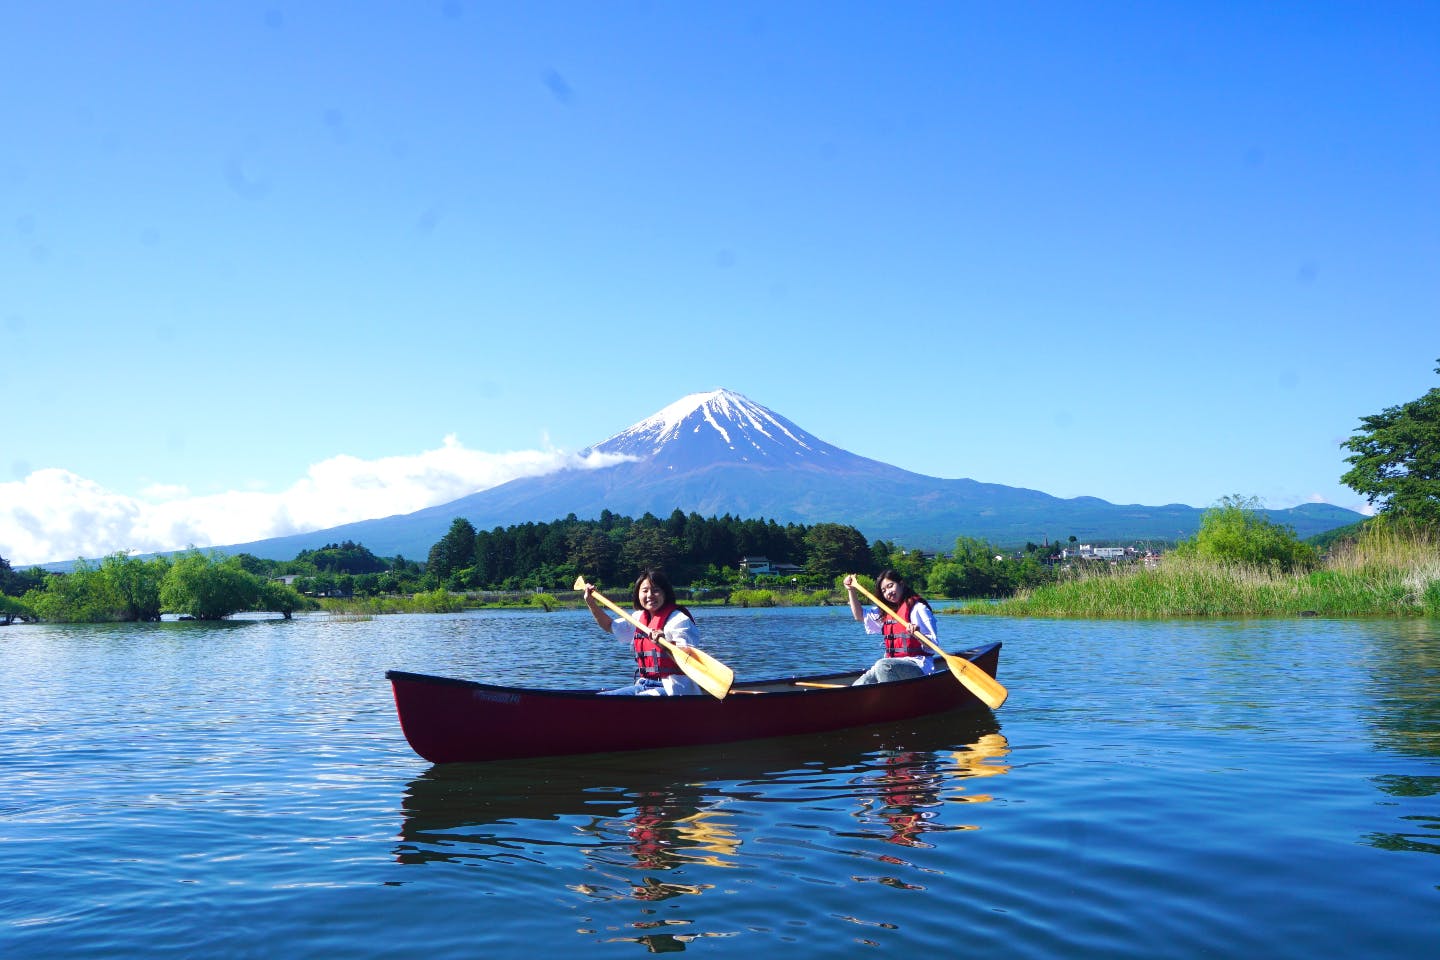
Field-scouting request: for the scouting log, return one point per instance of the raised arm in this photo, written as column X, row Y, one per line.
column 853, row 597
column 602, row 619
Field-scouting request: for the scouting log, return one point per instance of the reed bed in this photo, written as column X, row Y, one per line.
column 1384, row 573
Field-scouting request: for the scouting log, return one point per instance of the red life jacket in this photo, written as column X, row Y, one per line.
column 898, row 641
column 652, row 661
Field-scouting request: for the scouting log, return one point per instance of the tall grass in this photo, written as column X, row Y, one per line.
column 1384, row 573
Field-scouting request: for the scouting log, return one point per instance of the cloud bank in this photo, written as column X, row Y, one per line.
column 56, row 515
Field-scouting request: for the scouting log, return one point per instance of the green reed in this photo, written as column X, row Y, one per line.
column 1384, row 573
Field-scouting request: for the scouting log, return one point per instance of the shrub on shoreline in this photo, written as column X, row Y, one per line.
column 1387, row 571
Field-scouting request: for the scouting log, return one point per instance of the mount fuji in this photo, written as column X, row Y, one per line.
column 721, row 453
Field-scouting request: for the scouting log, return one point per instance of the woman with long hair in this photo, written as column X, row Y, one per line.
column 905, row 654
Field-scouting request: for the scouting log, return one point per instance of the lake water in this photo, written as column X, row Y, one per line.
column 1176, row 789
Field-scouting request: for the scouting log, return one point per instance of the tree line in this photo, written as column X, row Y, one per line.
column 691, row 548
column 701, row 553
column 194, row 585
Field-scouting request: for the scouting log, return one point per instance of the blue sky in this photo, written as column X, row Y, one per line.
column 275, row 266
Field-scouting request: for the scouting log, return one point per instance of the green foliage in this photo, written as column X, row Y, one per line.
column 834, row 549
column 120, row 588
column 547, row 556
column 911, row 565
column 348, row 557
column 746, row 597
column 1395, row 460
column 1235, row 531
column 1431, row 598
column 281, row 598
column 136, row 584
column 84, row 595
column 454, row 551
column 976, row 569
column 16, row 583
column 14, row 608
column 436, row 601
column 1382, row 573
column 209, row 586
column 649, row 545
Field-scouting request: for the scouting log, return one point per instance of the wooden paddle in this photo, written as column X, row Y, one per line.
column 980, row 683
column 698, row 665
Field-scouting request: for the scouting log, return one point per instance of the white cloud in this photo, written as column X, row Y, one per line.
column 55, row 515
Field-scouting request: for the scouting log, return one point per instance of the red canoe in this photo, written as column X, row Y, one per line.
column 451, row 721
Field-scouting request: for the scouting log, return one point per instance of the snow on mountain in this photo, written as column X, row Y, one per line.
column 720, row 453
column 703, row 429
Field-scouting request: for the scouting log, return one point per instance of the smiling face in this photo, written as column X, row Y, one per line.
column 890, row 591
column 651, row 597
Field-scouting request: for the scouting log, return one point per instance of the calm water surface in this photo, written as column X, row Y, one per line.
column 1178, row 789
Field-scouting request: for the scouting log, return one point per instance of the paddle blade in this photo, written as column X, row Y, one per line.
column 713, row 676
column 990, row 691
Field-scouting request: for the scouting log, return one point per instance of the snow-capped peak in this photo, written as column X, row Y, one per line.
column 720, row 421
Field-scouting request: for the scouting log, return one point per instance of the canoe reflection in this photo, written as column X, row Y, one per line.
column 663, row 810
column 910, row 786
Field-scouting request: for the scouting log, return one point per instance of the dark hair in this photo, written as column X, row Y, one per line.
column 660, row 582
column 905, row 592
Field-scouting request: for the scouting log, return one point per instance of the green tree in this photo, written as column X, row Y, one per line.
column 209, row 586
column 1395, row 460
column 454, row 551
column 594, row 554
column 348, row 557
column 972, row 571
column 833, row 549
column 279, row 598
column 648, row 545
column 136, row 584
column 910, row 565
column 13, row 608
column 259, row 565
column 1235, row 531
column 16, row 583
column 84, row 595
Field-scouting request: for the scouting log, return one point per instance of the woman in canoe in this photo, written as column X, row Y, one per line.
column 656, row 672
column 906, row 655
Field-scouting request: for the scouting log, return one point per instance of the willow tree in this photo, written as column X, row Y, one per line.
column 209, row 587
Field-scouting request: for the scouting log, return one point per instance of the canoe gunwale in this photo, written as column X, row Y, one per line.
column 448, row 719
column 789, row 683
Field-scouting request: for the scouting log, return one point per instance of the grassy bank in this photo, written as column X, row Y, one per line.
column 1382, row 574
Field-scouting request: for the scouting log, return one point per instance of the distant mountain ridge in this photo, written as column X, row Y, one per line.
column 720, row 453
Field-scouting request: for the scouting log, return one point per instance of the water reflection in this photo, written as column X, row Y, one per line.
column 903, row 798
column 1425, row 838
column 1406, row 668
column 625, row 814
column 656, row 826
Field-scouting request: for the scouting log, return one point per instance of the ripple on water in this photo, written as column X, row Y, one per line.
column 1150, row 790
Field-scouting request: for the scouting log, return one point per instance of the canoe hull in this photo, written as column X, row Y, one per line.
column 452, row 721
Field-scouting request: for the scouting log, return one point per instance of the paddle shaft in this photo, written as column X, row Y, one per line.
column 658, row 635
column 704, row 669
column 980, row 683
